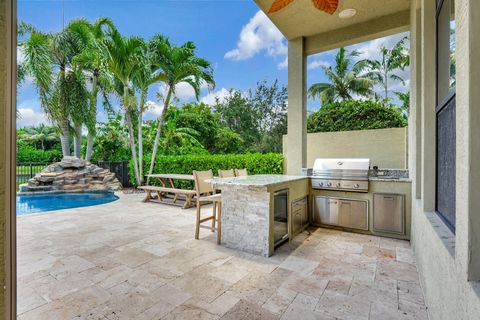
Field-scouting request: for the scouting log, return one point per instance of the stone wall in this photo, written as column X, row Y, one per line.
column 245, row 219
column 72, row 175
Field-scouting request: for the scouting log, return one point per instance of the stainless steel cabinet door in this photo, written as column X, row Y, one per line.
column 299, row 214
column 353, row 214
column 388, row 212
column 325, row 210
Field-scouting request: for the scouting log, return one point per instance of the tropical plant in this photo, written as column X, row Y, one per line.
column 123, row 60
column 346, row 80
column 145, row 76
column 48, row 60
column 92, row 62
column 383, row 70
column 355, row 115
column 177, row 65
column 42, row 134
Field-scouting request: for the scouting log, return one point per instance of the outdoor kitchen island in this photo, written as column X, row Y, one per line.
column 259, row 211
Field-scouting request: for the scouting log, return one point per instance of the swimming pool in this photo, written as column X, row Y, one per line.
column 55, row 201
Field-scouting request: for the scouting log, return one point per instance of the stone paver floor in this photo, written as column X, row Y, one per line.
column 134, row 260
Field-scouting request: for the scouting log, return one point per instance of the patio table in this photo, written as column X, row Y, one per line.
column 168, row 179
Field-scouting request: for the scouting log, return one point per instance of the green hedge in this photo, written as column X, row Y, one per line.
column 255, row 163
column 356, row 115
column 30, row 154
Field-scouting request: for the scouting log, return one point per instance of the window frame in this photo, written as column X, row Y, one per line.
column 439, row 106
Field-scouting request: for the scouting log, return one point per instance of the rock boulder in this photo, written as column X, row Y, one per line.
column 73, row 175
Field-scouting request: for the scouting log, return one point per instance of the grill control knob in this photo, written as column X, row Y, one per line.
column 356, row 186
column 321, row 184
column 329, row 184
column 338, row 184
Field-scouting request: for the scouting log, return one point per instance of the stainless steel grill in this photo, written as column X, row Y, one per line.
column 341, row 174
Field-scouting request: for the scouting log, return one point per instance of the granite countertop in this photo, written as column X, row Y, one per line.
column 389, row 179
column 259, row 180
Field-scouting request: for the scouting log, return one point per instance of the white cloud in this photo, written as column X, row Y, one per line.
column 183, row 91
column 210, row 98
column 28, row 117
column 284, row 64
column 258, row 35
column 153, row 109
column 371, row 49
column 317, row 64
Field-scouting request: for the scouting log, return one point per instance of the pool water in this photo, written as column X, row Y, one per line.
column 55, row 201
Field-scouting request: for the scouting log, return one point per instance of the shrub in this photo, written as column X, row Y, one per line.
column 355, row 115
column 255, row 163
column 27, row 153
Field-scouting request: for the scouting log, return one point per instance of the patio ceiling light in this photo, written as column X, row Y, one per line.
column 347, row 13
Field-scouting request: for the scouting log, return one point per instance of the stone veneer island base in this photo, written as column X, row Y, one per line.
column 72, row 175
column 247, row 209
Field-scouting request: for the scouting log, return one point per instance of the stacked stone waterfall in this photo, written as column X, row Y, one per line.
column 73, row 175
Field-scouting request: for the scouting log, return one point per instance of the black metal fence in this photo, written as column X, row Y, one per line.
column 26, row 171
column 120, row 168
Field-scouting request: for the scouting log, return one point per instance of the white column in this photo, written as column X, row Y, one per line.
column 428, row 103
column 467, row 15
column 415, row 114
column 297, row 107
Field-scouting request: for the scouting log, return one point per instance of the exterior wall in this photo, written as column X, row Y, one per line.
column 7, row 93
column 386, row 148
column 447, row 263
column 297, row 106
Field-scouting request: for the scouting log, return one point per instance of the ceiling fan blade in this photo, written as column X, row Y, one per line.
column 328, row 6
column 278, row 5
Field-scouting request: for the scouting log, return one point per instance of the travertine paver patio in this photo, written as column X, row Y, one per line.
column 134, row 260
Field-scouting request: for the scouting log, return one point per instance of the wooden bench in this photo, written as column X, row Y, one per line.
column 161, row 191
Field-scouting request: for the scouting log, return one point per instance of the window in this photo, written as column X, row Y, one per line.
column 446, row 113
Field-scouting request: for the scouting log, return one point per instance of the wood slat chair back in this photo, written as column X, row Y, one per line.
column 241, row 172
column 226, row 173
column 201, row 185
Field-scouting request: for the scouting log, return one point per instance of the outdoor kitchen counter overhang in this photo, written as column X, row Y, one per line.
column 247, row 219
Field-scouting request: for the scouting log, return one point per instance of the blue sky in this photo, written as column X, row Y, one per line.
column 241, row 43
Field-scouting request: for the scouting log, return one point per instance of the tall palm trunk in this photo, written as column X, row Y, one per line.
column 77, row 141
column 161, row 120
column 143, row 95
column 128, row 119
column 65, row 138
column 93, row 113
column 88, row 153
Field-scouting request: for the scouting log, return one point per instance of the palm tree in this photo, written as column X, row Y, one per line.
column 177, row 65
column 345, row 80
column 382, row 71
column 48, row 60
column 146, row 75
column 92, row 61
column 123, row 61
column 41, row 134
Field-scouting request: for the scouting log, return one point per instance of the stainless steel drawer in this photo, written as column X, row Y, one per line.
column 348, row 213
column 389, row 213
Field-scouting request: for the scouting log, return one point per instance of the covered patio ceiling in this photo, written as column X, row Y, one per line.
column 322, row 31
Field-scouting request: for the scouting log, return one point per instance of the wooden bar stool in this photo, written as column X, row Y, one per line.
column 226, row 173
column 241, row 172
column 206, row 193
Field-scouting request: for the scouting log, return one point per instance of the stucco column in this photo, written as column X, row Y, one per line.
column 415, row 114
column 7, row 154
column 428, row 103
column 297, row 107
column 467, row 15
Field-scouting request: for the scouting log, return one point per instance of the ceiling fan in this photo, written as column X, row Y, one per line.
column 328, row 6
